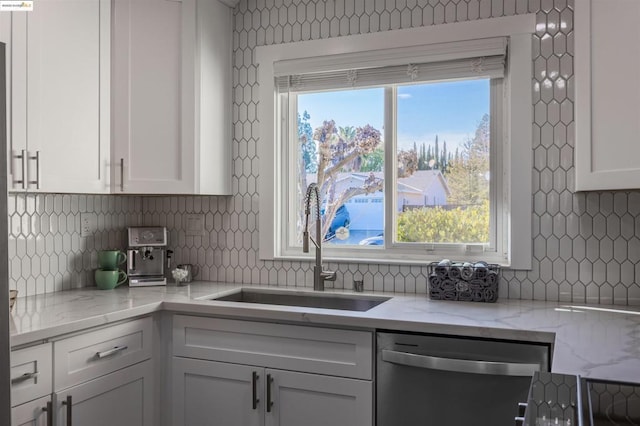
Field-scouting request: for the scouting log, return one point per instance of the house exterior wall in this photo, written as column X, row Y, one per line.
column 366, row 212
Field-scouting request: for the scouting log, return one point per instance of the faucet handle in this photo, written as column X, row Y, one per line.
column 329, row 275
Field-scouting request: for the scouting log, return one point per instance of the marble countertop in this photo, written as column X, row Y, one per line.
column 593, row 341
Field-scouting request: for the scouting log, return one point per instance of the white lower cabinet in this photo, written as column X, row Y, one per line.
column 104, row 377
column 34, row 413
column 31, row 379
column 314, row 400
column 208, row 393
column 101, row 377
column 230, row 372
column 223, row 373
column 123, row 398
column 218, row 393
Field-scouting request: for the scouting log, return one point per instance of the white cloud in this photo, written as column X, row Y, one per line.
column 404, row 96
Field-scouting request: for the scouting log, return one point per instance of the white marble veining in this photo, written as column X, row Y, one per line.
column 593, row 341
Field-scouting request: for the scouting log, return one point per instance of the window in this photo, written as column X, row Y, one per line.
column 410, row 147
column 441, row 138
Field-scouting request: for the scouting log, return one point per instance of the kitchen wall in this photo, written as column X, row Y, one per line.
column 586, row 246
column 46, row 252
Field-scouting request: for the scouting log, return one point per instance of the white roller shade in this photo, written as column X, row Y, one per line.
column 484, row 58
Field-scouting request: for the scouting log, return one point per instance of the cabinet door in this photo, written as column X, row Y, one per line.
column 123, row 398
column 31, row 413
column 15, row 98
column 31, row 373
column 153, row 87
column 607, row 78
column 216, row 393
column 66, row 69
column 315, row 400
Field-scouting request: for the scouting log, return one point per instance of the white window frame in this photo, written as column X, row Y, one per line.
column 386, row 48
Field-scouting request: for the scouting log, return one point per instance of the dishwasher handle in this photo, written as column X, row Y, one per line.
column 460, row 365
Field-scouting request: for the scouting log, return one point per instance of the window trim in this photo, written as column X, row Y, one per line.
column 517, row 172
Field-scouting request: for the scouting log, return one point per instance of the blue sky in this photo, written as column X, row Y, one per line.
column 451, row 110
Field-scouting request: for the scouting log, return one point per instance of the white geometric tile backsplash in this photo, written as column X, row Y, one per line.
column 586, row 247
column 46, row 252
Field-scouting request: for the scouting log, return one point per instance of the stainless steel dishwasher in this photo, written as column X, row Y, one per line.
column 452, row 381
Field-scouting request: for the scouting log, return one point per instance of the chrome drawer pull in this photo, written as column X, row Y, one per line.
column 37, row 181
column 122, row 175
column 24, row 377
column 460, row 365
column 110, row 352
column 23, row 160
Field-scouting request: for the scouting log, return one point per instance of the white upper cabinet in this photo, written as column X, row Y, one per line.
column 59, row 97
column 607, row 91
column 171, row 97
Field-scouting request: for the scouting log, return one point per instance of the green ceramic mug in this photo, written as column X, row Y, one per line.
column 111, row 259
column 108, row 279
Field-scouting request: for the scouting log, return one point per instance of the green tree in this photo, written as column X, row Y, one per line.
column 443, row 158
column 422, row 157
column 307, row 145
column 468, row 175
column 373, row 162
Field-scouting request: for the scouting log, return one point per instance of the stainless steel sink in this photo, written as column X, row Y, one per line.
column 345, row 302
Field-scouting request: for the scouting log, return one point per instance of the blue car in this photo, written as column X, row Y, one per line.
column 378, row 240
column 341, row 219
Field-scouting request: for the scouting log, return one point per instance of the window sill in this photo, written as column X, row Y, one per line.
column 386, row 259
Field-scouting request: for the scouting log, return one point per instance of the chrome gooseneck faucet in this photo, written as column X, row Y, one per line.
column 319, row 276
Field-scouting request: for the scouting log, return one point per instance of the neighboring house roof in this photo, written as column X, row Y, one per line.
column 417, row 183
column 406, row 189
column 423, row 179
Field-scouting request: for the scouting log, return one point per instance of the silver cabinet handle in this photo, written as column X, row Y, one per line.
column 122, row 175
column 24, row 377
column 37, row 181
column 522, row 409
column 23, row 160
column 110, row 352
column 460, row 365
column 69, row 405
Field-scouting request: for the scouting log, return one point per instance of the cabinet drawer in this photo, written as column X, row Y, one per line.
column 30, row 373
column 344, row 353
column 31, row 413
column 95, row 353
